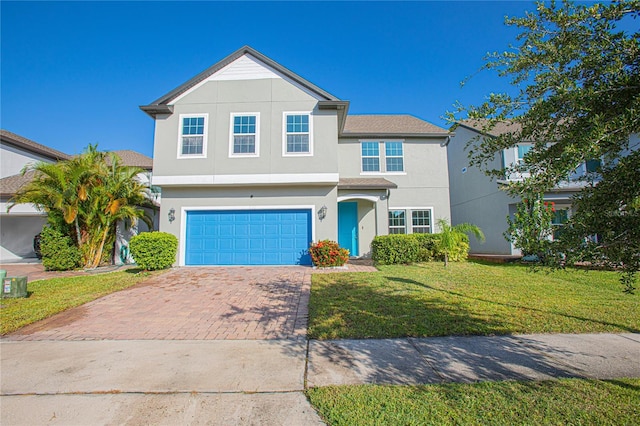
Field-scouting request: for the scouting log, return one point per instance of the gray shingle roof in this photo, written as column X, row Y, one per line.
column 135, row 159
column 381, row 125
column 365, row 183
column 10, row 184
column 29, row 145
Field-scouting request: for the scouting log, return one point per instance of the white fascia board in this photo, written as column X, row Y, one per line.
column 254, row 179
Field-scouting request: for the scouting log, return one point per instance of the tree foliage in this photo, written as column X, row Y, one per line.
column 530, row 229
column 575, row 78
column 85, row 197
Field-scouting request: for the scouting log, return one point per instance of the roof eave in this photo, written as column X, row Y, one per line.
column 394, row 135
column 155, row 110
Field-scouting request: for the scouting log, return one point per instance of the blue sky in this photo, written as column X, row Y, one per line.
column 74, row 73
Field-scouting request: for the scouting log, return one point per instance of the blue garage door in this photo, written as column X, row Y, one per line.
column 248, row 237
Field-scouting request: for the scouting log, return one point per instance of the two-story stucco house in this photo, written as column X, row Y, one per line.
column 19, row 226
column 255, row 162
column 478, row 199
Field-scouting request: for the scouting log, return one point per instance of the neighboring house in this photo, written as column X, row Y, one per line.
column 19, row 226
column 256, row 162
column 478, row 199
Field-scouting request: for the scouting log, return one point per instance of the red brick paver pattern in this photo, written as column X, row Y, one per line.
column 193, row 304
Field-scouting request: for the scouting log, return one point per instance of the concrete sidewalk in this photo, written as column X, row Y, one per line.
column 262, row 381
column 475, row 358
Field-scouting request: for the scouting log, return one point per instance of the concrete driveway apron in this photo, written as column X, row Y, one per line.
column 192, row 346
column 221, row 303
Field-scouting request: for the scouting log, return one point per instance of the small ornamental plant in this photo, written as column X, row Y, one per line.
column 327, row 254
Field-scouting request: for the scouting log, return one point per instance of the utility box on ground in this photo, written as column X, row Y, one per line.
column 14, row 287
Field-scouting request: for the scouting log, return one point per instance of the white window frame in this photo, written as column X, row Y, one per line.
column 408, row 218
column 393, row 156
column 205, row 132
column 422, row 226
column 404, row 227
column 256, row 135
column 382, row 157
column 285, row 153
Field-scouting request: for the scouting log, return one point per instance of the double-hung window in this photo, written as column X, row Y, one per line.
column 297, row 133
column 394, row 156
column 370, row 157
column 193, row 136
column 245, row 136
column 397, row 223
column 382, row 156
column 421, row 220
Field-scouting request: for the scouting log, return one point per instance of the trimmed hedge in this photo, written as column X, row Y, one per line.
column 59, row 253
column 154, row 250
column 411, row 248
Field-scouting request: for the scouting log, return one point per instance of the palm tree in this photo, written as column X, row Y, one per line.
column 90, row 192
column 452, row 236
column 120, row 197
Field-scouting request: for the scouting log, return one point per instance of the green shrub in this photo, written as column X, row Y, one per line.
column 327, row 254
column 396, row 248
column 154, row 250
column 58, row 251
column 410, row 248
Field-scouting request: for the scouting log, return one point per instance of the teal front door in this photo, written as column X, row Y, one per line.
column 348, row 226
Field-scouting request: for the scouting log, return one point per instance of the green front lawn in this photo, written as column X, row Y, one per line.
column 468, row 298
column 48, row 297
column 561, row 402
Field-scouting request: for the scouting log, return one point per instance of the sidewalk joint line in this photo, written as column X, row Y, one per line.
column 425, row 359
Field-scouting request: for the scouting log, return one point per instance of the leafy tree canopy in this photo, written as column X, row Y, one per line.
column 575, row 77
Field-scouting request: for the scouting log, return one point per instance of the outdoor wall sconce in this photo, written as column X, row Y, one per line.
column 322, row 213
column 172, row 214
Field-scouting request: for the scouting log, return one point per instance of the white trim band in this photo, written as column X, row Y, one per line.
column 255, row 179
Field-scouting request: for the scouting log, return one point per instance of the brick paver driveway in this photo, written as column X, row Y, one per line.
column 191, row 303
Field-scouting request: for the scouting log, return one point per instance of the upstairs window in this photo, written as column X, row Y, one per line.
column 297, row 133
column 193, row 136
column 244, row 134
column 370, row 157
column 395, row 160
column 522, row 151
column 382, row 157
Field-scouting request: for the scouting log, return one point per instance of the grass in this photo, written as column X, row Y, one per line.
column 558, row 402
column 468, row 298
column 48, row 297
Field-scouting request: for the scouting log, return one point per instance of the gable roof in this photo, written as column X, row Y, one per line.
column 135, row 159
column 390, row 125
column 31, row 146
column 163, row 105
